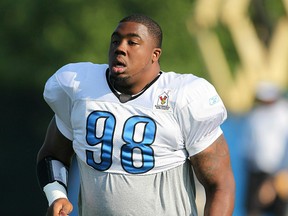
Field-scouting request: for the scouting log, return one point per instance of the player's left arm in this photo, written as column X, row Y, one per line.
column 213, row 169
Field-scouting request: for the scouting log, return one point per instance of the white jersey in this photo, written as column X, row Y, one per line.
column 157, row 130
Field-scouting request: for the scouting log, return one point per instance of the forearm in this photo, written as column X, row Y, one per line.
column 52, row 177
column 220, row 202
column 213, row 169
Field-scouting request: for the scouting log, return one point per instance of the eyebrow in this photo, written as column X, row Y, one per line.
column 127, row 35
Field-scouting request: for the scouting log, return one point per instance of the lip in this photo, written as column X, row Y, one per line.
column 119, row 61
column 118, row 65
column 118, row 69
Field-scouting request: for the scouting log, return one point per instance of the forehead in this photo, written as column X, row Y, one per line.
column 131, row 29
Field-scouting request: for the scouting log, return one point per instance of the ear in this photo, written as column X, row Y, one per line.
column 156, row 54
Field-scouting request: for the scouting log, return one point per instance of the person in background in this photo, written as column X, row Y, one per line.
column 136, row 132
column 266, row 152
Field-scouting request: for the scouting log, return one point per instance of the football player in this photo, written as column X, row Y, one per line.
column 137, row 131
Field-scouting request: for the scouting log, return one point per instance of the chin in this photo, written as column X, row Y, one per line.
column 116, row 77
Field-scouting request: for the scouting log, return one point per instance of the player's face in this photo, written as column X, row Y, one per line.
column 131, row 54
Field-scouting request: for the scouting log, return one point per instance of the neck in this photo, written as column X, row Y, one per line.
column 130, row 89
column 133, row 88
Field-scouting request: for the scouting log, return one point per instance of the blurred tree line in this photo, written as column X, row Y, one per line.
column 38, row 37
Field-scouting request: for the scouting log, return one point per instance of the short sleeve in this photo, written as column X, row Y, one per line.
column 66, row 131
column 200, row 116
column 58, row 93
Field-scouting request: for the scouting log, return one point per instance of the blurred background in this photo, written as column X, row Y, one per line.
column 234, row 44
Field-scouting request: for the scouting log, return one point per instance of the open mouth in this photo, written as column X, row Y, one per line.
column 118, row 66
column 119, row 62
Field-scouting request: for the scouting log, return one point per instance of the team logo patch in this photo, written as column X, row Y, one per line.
column 162, row 102
column 213, row 100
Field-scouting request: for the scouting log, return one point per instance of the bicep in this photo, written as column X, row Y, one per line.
column 212, row 165
column 56, row 145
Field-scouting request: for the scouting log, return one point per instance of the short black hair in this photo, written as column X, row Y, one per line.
column 153, row 27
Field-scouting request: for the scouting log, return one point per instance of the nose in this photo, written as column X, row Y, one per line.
column 120, row 48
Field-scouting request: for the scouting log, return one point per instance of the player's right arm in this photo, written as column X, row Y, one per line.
column 53, row 160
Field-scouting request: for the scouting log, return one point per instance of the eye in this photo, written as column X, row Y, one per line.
column 131, row 42
column 115, row 42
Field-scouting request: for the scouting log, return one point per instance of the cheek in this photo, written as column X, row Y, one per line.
column 146, row 57
column 141, row 58
column 109, row 53
column 143, row 61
